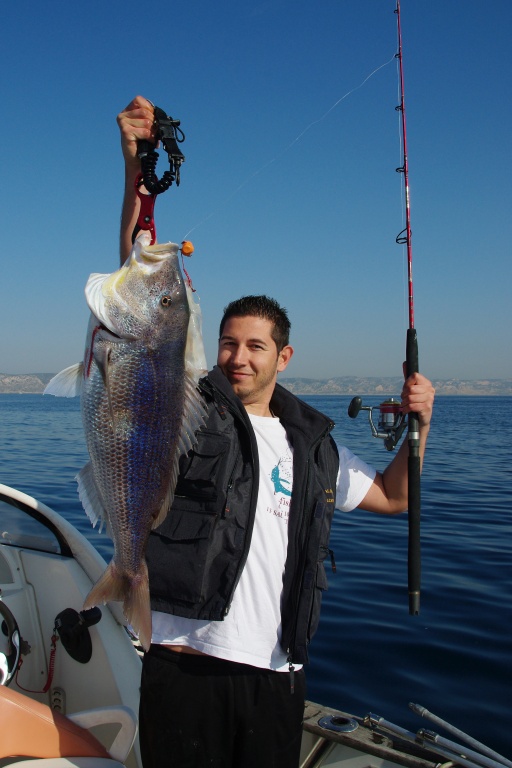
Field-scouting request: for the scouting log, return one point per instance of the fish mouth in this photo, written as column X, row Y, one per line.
column 108, row 332
column 147, row 255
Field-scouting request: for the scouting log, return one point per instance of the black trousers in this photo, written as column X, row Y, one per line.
column 198, row 711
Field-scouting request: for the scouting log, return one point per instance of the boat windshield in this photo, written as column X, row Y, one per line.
column 21, row 526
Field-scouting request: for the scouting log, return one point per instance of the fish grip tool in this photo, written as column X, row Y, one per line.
column 169, row 133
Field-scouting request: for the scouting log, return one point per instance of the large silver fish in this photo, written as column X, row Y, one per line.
column 140, row 409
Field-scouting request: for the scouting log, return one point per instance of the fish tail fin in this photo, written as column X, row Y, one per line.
column 112, row 585
column 132, row 591
column 137, row 608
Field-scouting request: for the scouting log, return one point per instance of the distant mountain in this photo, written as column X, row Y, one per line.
column 34, row 383
column 344, row 385
column 24, row 383
column 387, row 386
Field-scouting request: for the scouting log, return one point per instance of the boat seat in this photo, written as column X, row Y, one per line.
column 31, row 729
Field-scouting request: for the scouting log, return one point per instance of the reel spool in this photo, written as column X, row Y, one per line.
column 391, row 422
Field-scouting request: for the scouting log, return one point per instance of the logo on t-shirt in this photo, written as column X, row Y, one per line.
column 281, row 476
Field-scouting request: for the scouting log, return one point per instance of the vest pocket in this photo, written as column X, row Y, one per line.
column 320, row 586
column 177, row 558
column 189, row 526
column 203, row 472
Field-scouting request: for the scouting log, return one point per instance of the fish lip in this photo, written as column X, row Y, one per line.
column 111, row 335
column 109, row 332
column 145, row 254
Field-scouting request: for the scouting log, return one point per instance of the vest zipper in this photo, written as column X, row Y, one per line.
column 331, row 557
column 291, row 670
column 296, row 587
column 252, row 439
column 229, row 486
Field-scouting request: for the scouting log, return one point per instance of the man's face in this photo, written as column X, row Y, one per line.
column 249, row 359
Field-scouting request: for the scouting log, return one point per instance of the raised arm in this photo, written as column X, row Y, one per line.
column 135, row 122
column 388, row 493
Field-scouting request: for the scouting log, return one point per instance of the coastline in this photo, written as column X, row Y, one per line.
column 34, row 384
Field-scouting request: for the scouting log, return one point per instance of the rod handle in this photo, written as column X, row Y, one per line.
column 414, row 493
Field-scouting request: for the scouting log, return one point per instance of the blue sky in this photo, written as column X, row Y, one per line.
column 288, row 188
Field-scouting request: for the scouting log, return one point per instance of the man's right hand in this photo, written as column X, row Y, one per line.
column 135, row 122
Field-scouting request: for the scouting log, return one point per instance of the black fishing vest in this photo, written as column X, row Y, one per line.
column 195, row 558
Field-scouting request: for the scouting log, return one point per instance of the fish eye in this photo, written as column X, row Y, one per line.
column 166, row 300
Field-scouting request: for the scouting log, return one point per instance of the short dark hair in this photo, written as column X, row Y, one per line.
column 264, row 307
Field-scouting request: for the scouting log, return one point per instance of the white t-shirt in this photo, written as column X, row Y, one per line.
column 251, row 632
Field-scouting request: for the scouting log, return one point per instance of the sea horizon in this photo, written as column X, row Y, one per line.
column 380, row 386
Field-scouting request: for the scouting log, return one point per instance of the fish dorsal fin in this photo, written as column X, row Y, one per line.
column 67, row 383
column 195, row 358
column 91, row 498
column 194, row 417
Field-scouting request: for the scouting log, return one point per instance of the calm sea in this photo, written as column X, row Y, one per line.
column 369, row 655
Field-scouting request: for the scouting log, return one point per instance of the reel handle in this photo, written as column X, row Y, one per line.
column 355, row 406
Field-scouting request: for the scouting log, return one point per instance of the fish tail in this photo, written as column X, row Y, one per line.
column 132, row 591
column 112, row 585
column 136, row 606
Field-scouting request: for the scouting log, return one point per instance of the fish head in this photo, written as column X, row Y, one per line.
column 144, row 300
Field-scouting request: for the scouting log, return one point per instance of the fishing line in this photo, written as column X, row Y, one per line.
column 286, row 149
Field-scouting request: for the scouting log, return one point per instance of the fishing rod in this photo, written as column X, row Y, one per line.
column 392, row 422
column 452, row 752
column 476, row 745
column 413, row 434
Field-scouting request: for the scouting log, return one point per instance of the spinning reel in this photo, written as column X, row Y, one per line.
column 391, row 423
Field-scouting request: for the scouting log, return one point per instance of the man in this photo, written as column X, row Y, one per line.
column 236, row 570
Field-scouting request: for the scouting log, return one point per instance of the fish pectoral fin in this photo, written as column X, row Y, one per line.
column 166, row 505
column 194, row 416
column 91, row 499
column 161, row 515
column 102, row 356
column 67, row 383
